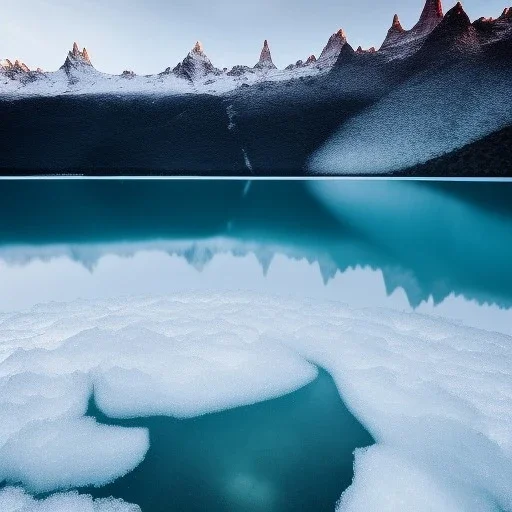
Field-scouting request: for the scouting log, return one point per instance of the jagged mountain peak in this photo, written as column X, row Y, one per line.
column 310, row 61
column 332, row 49
column 198, row 48
column 431, row 16
column 457, row 16
column 495, row 29
column 395, row 33
column 396, row 25
column 17, row 67
column 361, row 50
column 265, row 61
column 453, row 37
column 77, row 59
column 341, row 34
column 195, row 65
column 21, row 65
column 80, row 55
column 400, row 42
column 432, row 8
column 507, row 13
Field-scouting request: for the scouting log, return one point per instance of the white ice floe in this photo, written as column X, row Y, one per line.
column 436, row 396
column 49, row 455
column 13, row 499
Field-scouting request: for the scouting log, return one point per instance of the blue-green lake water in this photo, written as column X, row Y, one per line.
column 290, row 453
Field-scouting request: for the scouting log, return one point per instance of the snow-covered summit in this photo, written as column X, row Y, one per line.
column 16, row 67
column 195, row 65
column 265, row 61
column 18, row 71
column 434, row 35
column 310, row 61
column 77, row 60
column 332, row 49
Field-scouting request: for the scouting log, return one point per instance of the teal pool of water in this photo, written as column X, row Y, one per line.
column 287, row 454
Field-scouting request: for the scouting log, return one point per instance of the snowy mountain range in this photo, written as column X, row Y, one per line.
column 196, row 73
column 263, row 120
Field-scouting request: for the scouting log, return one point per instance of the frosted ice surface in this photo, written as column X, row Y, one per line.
column 48, row 455
column 13, row 499
column 386, row 482
column 436, row 396
column 206, row 365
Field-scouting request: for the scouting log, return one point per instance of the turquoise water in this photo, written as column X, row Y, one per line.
column 291, row 453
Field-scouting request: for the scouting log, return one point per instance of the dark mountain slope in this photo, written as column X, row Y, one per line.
column 488, row 157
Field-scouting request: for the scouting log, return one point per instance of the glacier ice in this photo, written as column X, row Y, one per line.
column 436, row 396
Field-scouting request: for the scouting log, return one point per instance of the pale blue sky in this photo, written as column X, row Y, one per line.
column 147, row 36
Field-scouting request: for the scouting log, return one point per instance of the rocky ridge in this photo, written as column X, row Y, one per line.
column 433, row 36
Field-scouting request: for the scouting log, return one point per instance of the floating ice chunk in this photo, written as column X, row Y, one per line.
column 203, row 378
column 13, row 499
column 138, row 372
column 48, row 455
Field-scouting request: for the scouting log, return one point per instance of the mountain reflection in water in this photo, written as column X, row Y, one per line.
column 436, row 241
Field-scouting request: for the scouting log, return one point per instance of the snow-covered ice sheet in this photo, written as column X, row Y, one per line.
column 436, row 396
